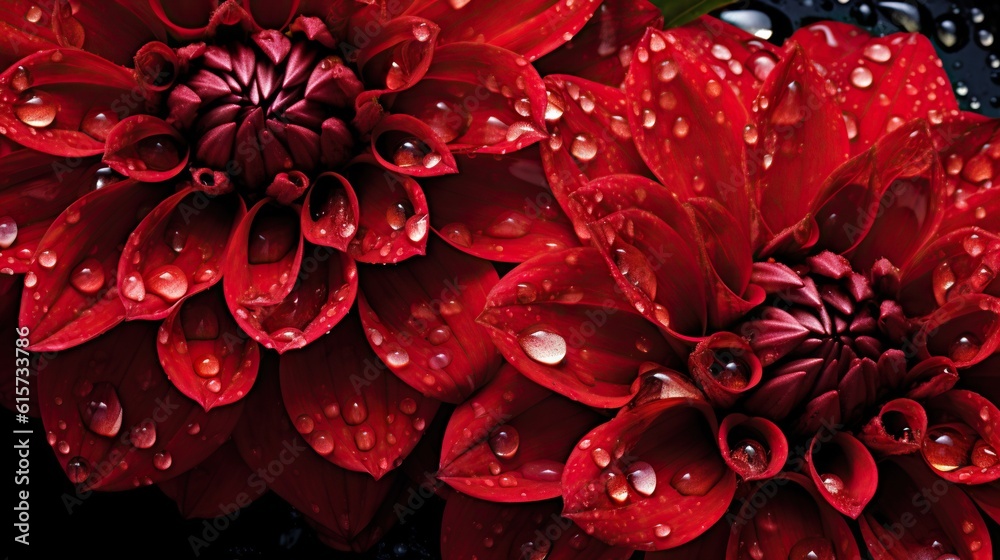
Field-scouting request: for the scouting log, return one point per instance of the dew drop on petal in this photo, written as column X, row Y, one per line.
column 8, row 231
column 88, row 276
column 162, row 460
column 543, row 345
column 169, row 282
column 77, row 469
column 36, row 109
column 642, row 478
column 861, row 77
column 143, row 435
column 504, row 442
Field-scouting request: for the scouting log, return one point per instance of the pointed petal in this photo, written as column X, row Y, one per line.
column 795, row 115
column 264, row 256
column 146, row 148
column 323, row 293
column 210, row 489
column 960, row 262
column 651, row 478
column 509, row 441
column 513, row 215
column 62, row 102
column 469, row 530
column 755, row 448
column 392, row 223
column 399, row 55
column 725, row 367
column 570, row 330
column 966, row 330
column 969, row 156
column 342, row 501
column 602, row 50
column 898, row 429
column 843, row 471
column 792, row 521
column 177, row 251
column 540, row 25
column 477, row 98
column 826, row 42
column 406, row 145
column 419, row 317
column 115, row 421
column 205, row 354
column 34, row 189
column 933, row 527
column 689, row 127
column 330, row 212
column 886, row 82
column 962, row 439
column 348, row 407
column 71, row 292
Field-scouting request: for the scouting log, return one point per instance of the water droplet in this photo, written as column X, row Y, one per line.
column 983, row 455
column 305, row 424
column 88, row 276
column 458, row 234
column 36, row 109
column 407, row 406
column 878, row 52
column 77, row 469
column 8, row 232
column 668, row 71
column 504, row 442
column 440, row 360
column 396, row 214
column 158, row 153
column 542, row 470
column 681, row 127
column 47, row 259
column 321, row 442
column 832, row 483
column 439, row 335
column 948, row 447
column 416, row 228
column 616, row 487
column 356, row 412
column 98, row 122
column 730, row 371
column 662, row 531
column 421, row 32
column 397, row 358
column 143, row 435
column 750, row 135
column 583, row 147
column 207, row 365
column 102, row 411
column 965, row 348
column 162, row 460
column 750, row 455
column 169, row 282
column 364, row 438
column 642, row 477
column 696, row 480
column 543, row 346
column 985, row 37
column 862, row 77
column 600, row 456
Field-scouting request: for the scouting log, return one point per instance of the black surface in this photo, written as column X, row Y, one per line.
column 145, row 524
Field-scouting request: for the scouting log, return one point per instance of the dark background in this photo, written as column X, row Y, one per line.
column 145, row 524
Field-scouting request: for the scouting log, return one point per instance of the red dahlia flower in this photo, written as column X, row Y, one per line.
column 799, row 323
column 240, row 173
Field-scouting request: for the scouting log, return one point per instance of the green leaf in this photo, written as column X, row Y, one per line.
column 679, row 12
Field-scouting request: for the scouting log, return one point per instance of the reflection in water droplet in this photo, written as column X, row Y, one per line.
column 36, row 109
column 504, row 442
column 543, row 345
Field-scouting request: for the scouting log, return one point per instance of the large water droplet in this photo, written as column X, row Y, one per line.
column 832, row 483
column 364, row 438
column 207, row 365
column 635, row 267
column 168, row 281
column 8, row 231
column 162, row 460
column 861, row 77
column 504, row 442
column 616, row 487
column 36, row 109
column 407, row 405
column 322, row 442
column 696, row 479
column 143, row 435
column 750, row 455
column 355, row 412
column 642, row 477
column 965, row 348
column 88, row 276
column 77, row 469
column 510, row 225
column 983, row 455
column 948, row 447
column 583, row 147
column 730, row 371
column 812, row 548
column 98, row 122
column 158, row 153
column 543, row 345
column 102, row 410
column 458, row 234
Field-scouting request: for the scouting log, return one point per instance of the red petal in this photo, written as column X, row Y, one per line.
column 324, row 292
column 70, row 291
column 826, row 42
column 590, row 138
column 711, row 544
column 177, row 251
column 987, row 497
column 420, row 319
column 570, row 330
column 969, row 156
column 398, row 56
column 724, row 366
column 843, row 471
column 488, row 531
column 539, row 27
column 63, row 102
column 265, row 256
column 509, row 441
column 602, row 50
column 330, row 212
column 343, row 502
column 270, row 14
column 643, row 252
column 204, row 352
column 115, row 421
column 755, row 448
column 513, row 215
column 898, row 429
column 786, row 518
column 918, row 516
column 393, row 223
column 962, row 440
column 406, row 145
column 651, row 478
column 349, row 408
column 477, row 98
column 34, row 189
column 958, row 263
column 688, row 124
column 966, row 330
column 889, row 81
column 795, row 112
column 894, row 185
column 146, row 149
column 219, row 485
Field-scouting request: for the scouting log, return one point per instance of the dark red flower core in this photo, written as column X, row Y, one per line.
column 264, row 114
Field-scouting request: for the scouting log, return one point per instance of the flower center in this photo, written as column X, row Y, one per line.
column 262, row 116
